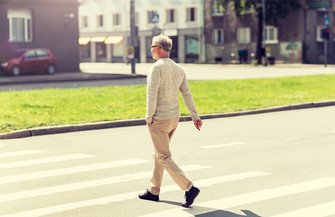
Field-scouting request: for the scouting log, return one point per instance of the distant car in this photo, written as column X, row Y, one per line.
column 24, row 61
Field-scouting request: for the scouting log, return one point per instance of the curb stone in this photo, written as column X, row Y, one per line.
column 64, row 77
column 137, row 122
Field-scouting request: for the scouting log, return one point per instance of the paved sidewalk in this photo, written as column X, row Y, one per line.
column 63, row 77
column 218, row 71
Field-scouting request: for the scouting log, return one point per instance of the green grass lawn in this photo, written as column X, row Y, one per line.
column 48, row 107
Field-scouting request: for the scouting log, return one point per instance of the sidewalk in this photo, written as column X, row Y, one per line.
column 64, row 77
column 218, row 71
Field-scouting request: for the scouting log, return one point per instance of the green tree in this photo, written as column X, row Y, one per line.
column 274, row 10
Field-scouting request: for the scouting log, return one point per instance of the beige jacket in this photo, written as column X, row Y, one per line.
column 164, row 81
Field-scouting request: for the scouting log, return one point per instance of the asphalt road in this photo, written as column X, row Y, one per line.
column 218, row 71
column 107, row 74
column 277, row 164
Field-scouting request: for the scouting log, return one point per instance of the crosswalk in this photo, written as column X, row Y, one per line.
column 47, row 191
column 252, row 197
column 19, row 153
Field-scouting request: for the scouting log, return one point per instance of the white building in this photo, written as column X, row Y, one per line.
column 105, row 29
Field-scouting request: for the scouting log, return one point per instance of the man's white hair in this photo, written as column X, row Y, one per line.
column 164, row 41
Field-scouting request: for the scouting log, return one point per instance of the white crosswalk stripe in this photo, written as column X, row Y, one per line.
column 291, row 139
column 129, row 195
column 19, row 153
column 222, row 145
column 85, row 184
column 252, row 197
column 321, row 210
column 70, row 170
column 44, row 160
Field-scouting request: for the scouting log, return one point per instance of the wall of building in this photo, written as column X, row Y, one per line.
column 54, row 26
column 297, row 34
column 180, row 31
column 290, row 35
column 228, row 51
column 288, row 48
column 315, row 47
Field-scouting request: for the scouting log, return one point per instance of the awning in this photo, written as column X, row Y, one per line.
column 98, row 39
column 84, row 40
column 106, row 40
column 113, row 39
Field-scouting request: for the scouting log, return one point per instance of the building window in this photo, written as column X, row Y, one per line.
column 118, row 49
column 170, row 16
column 101, row 51
column 85, row 52
column 100, row 20
column 218, row 36
column 84, row 21
column 243, row 35
column 116, row 19
column 271, row 34
column 153, row 17
column 20, row 25
column 192, row 47
column 217, row 8
column 190, row 14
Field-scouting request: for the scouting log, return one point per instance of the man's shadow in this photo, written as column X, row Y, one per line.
column 223, row 213
column 198, row 211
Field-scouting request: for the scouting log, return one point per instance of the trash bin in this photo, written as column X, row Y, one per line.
column 271, row 60
column 218, row 59
column 243, row 55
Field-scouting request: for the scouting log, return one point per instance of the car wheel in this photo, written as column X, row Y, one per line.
column 51, row 69
column 16, row 71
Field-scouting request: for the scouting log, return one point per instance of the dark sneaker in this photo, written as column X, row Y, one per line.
column 148, row 196
column 191, row 195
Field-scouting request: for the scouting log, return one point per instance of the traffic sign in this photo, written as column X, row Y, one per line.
column 314, row 4
column 326, row 20
column 155, row 17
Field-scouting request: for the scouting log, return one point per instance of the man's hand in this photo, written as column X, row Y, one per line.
column 149, row 121
column 197, row 123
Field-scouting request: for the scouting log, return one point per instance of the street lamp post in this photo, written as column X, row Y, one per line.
column 132, row 36
column 264, row 34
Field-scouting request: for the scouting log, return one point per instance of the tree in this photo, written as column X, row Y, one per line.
column 274, row 10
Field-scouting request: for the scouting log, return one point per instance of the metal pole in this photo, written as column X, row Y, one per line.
column 330, row 43
column 264, row 24
column 132, row 36
column 325, row 51
column 327, row 23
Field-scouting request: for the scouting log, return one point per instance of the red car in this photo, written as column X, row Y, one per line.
column 24, row 61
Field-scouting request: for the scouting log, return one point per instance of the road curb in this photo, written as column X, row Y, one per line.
column 137, row 122
column 64, row 77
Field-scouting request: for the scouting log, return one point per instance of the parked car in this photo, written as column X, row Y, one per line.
column 23, row 61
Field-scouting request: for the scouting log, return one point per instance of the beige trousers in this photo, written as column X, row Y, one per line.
column 161, row 132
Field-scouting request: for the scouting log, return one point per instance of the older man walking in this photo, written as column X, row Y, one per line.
column 164, row 82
